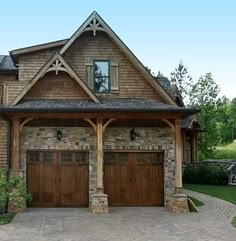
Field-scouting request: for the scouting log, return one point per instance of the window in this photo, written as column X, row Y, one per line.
column 81, row 157
column 101, row 76
column 66, row 156
column 48, row 157
column 33, row 156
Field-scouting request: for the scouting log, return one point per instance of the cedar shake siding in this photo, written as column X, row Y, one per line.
column 100, row 47
column 52, row 86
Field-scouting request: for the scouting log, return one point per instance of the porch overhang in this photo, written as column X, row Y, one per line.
column 124, row 108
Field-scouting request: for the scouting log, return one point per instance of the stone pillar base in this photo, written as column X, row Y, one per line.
column 12, row 209
column 99, row 204
column 178, row 204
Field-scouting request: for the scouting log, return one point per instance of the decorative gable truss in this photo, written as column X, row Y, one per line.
column 56, row 63
column 195, row 122
column 94, row 26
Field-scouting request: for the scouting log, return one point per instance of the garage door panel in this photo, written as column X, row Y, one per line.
column 58, row 178
column 81, row 187
column 134, row 178
column 47, row 184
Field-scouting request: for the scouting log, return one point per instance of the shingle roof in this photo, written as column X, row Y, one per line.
column 107, row 105
column 6, row 64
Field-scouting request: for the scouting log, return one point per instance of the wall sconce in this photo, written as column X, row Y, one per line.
column 133, row 135
column 59, row 135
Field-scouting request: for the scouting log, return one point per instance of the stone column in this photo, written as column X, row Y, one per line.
column 100, row 200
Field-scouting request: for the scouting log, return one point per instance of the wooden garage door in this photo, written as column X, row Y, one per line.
column 57, row 179
column 134, row 178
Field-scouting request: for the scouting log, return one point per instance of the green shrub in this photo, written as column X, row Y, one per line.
column 12, row 189
column 204, row 173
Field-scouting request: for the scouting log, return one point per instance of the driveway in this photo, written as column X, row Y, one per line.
column 125, row 224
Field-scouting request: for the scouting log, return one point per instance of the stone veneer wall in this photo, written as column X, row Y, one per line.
column 78, row 138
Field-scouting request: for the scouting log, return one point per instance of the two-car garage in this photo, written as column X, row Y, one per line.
column 61, row 178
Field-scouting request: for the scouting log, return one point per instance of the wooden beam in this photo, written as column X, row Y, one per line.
column 100, row 188
column 24, row 122
column 107, row 123
column 94, row 115
column 15, row 146
column 178, row 156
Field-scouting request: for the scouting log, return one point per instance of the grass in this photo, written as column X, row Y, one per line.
column 196, row 202
column 225, row 152
column 231, row 146
column 6, row 218
column 227, row 193
column 234, row 222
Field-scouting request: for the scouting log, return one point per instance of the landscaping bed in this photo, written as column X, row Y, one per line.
column 6, row 218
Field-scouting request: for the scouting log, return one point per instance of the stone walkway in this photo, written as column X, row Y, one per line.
column 125, row 224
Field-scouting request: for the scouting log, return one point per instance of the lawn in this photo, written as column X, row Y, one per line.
column 234, row 222
column 197, row 202
column 6, row 218
column 225, row 152
column 227, row 193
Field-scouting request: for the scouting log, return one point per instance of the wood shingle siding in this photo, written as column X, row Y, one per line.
column 52, row 86
column 100, row 47
column 14, row 88
column 3, row 144
column 30, row 64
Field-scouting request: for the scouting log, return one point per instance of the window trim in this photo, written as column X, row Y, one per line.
column 109, row 76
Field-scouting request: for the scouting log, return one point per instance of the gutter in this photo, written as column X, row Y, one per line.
column 96, row 110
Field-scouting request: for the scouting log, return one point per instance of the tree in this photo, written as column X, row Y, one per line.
column 204, row 96
column 181, row 78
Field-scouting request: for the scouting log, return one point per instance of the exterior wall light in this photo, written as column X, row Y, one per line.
column 59, row 135
column 133, row 135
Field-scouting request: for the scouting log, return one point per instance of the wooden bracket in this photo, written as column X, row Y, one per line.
column 24, row 122
column 91, row 123
column 107, row 123
column 169, row 124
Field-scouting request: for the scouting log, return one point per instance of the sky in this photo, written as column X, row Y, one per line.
column 200, row 33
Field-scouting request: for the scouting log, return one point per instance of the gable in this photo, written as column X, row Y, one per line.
column 100, row 43
column 58, row 64
column 52, row 86
column 89, row 47
column 93, row 24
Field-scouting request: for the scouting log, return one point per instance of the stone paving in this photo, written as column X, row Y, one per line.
column 212, row 222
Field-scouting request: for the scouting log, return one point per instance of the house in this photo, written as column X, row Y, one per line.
column 86, row 124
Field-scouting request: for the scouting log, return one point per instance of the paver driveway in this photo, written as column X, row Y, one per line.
column 211, row 223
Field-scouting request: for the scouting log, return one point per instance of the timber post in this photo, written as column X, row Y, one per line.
column 99, row 204
column 178, row 203
column 16, row 146
column 178, row 158
column 100, row 187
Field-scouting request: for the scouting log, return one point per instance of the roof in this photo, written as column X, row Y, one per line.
column 187, row 123
column 16, row 52
column 107, row 105
column 165, row 83
column 6, row 64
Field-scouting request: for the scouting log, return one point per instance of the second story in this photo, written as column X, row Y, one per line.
column 92, row 64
